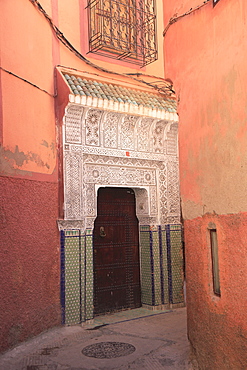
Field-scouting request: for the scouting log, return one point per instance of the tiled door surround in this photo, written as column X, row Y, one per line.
column 116, row 149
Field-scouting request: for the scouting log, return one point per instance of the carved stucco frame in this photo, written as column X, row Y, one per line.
column 80, row 160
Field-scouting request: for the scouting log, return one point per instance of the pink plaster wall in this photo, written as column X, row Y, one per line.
column 29, row 256
column 205, row 57
column 29, row 253
column 217, row 325
column 31, row 193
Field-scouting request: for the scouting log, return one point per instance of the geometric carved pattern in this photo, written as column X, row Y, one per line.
column 128, row 132
column 153, row 200
column 118, row 175
column 121, row 161
column 151, row 168
column 172, row 146
column 118, row 152
column 90, row 200
column 158, row 140
column 73, row 124
column 143, row 134
column 72, row 169
column 163, row 193
column 173, row 188
column 92, row 127
column 110, row 130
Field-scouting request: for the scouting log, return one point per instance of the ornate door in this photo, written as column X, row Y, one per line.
column 116, row 252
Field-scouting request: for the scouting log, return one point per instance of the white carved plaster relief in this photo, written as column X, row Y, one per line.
column 110, row 130
column 120, row 153
column 92, row 123
column 72, row 184
column 73, row 124
column 163, row 192
column 143, row 134
column 102, row 161
column 91, row 203
column 125, row 108
column 172, row 140
column 128, row 132
column 153, row 200
column 173, row 189
column 115, row 175
column 158, row 137
column 89, row 222
column 71, row 224
column 142, row 206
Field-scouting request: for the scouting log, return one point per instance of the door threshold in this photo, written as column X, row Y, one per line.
column 122, row 316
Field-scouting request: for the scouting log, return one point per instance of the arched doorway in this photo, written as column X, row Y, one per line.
column 120, row 150
column 116, row 251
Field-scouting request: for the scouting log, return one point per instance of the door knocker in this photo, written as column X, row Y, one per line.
column 102, row 232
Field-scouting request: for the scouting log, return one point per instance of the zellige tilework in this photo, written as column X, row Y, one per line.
column 161, row 259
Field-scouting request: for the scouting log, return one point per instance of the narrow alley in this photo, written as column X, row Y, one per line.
column 134, row 339
column 123, row 173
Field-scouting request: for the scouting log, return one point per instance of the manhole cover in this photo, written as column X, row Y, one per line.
column 108, row 350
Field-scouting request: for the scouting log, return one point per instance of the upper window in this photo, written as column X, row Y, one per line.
column 123, row 29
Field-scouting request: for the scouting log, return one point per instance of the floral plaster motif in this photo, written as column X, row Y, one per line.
column 110, row 130
column 150, row 169
column 92, row 127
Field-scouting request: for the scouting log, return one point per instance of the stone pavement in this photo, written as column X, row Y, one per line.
column 130, row 340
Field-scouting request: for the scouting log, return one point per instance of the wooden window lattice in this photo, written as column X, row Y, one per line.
column 123, row 29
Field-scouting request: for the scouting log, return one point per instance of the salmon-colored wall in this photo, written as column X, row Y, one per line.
column 32, row 103
column 29, row 253
column 217, row 326
column 205, row 57
column 29, row 258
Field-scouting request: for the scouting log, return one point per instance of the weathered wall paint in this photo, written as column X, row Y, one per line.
column 212, row 92
column 205, row 57
column 217, row 326
column 27, row 113
column 29, row 256
column 30, row 154
column 29, row 253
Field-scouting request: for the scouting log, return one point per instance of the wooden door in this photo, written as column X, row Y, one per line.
column 116, row 252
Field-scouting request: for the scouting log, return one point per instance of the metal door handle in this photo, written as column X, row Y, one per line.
column 102, row 232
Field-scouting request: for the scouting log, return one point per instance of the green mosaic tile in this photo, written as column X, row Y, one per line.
column 146, row 282
column 165, row 271
column 156, row 267
column 72, row 277
column 144, row 228
column 89, row 274
column 83, row 278
column 177, row 263
column 75, row 262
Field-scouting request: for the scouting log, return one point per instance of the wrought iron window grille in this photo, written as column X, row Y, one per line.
column 123, row 29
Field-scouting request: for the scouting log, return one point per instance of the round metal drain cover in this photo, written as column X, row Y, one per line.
column 108, row 350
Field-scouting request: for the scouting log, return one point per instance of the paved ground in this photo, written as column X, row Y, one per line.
column 157, row 341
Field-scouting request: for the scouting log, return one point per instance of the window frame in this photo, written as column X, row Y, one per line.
column 133, row 38
column 215, row 261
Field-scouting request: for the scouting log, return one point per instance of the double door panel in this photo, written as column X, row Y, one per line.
column 116, row 252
